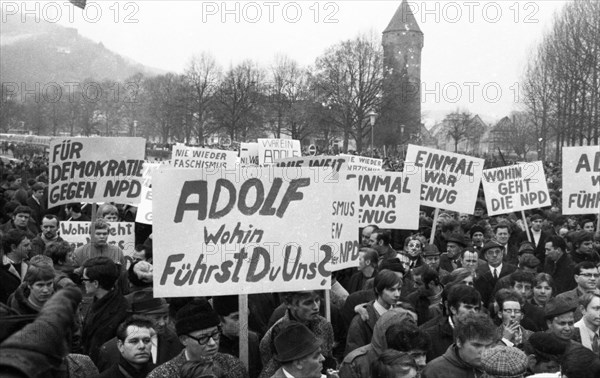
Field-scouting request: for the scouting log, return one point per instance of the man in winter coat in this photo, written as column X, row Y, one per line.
column 474, row 334
column 109, row 307
column 357, row 364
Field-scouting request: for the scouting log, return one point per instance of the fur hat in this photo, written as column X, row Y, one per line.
column 295, row 341
column 195, row 316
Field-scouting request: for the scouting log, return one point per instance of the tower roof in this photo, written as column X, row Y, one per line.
column 403, row 20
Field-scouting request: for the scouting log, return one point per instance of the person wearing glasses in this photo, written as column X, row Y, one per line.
column 586, row 276
column 199, row 330
column 510, row 312
column 134, row 341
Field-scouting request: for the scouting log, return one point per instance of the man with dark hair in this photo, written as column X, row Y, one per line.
column 510, row 312
column 21, row 220
column 227, row 307
column 16, row 247
column 583, row 248
column 488, row 275
column 586, row 275
column 49, row 234
column 533, row 316
column 367, row 266
column 357, row 364
column 365, row 235
column 528, row 263
column 199, row 330
column 134, row 342
column 462, row 301
column 73, row 212
column 380, row 241
column 427, row 299
column 36, row 202
column 537, row 236
column 474, row 333
column 407, row 337
column 559, row 264
column 387, row 290
column 586, row 330
column 166, row 344
column 502, row 235
column 109, row 307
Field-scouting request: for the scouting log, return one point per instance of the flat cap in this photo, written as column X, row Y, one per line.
column 503, row 361
column 491, row 244
column 557, row 306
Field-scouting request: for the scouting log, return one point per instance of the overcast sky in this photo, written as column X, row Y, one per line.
column 472, row 49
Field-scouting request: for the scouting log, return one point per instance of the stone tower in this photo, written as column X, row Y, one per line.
column 401, row 109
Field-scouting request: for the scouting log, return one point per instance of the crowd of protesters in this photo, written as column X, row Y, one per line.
column 485, row 296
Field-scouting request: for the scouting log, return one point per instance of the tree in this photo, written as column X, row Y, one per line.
column 237, row 101
column 518, row 133
column 562, row 89
column 462, row 125
column 162, row 104
column 202, row 75
column 350, row 76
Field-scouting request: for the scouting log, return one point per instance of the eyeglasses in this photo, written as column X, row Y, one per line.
column 86, row 280
column 203, row 340
column 589, row 275
column 512, row 311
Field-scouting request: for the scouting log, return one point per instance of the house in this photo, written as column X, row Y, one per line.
column 475, row 141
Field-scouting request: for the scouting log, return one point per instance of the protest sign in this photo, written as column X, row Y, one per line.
column 361, row 163
column 95, row 170
column 344, row 223
column 249, row 230
column 248, row 154
column 336, row 162
column 515, row 188
column 144, row 210
column 122, row 234
column 581, row 180
column 205, row 158
column 388, row 199
column 270, row 150
column 448, row 181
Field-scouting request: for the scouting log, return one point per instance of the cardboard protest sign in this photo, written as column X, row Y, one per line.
column 95, row 170
column 251, row 230
column 121, row 234
column 270, row 150
column 336, row 162
column 448, row 181
column 248, row 154
column 515, row 188
column 144, row 210
column 204, row 158
column 388, row 199
column 581, row 180
column 361, row 163
column 344, row 223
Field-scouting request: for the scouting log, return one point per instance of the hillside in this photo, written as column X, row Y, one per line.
column 44, row 52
